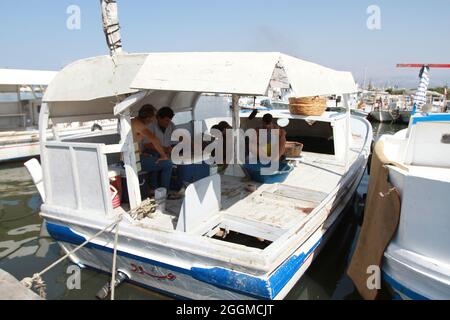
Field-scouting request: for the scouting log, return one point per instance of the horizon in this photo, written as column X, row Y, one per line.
column 340, row 37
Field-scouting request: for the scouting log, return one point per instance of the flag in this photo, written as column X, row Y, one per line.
column 420, row 99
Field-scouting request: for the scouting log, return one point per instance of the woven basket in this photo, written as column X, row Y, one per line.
column 309, row 106
column 293, row 149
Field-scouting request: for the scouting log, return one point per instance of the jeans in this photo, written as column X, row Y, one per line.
column 149, row 164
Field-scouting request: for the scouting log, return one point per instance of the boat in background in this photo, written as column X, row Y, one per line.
column 435, row 104
column 383, row 116
column 20, row 101
column 386, row 109
column 334, row 103
column 21, row 93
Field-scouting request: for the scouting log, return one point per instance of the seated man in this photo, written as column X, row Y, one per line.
column 269, row 125
column 156, row 161
column 162, row 128
column 222, row 126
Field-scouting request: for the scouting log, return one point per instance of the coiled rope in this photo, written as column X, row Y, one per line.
column 146, row 209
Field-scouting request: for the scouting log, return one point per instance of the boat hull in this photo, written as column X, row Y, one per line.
column 405, row 116
column 200, row 280
column 13, row 152
column 382, row 116
column 416, row 262
column 360, row 113
column 412, row 276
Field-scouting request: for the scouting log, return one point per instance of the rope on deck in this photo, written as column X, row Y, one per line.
column 145, row 210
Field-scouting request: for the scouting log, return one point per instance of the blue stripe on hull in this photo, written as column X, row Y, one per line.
column 220, row 277
column 439, row 117
column 65, row 234
column 398, row 287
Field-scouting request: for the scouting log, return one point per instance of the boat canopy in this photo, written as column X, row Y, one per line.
column 177, row 79
column 12, row 79
column 243, row 73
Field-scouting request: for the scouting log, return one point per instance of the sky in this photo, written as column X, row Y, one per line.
column 34, row 33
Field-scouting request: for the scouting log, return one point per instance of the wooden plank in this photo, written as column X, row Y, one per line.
column 298, row 193
column 251, row 228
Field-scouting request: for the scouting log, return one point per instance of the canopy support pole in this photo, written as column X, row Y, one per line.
column 346, row 98
column 129, row 158
column 234, row 169
column 44, row 117
column 21, row 111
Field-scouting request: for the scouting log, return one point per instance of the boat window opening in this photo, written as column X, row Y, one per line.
column 314, row 144
column 316, row 137
column 243, row 239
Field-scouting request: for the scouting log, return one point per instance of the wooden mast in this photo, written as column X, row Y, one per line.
column 111, row 26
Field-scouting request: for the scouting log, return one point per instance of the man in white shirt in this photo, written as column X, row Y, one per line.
column 162, row 128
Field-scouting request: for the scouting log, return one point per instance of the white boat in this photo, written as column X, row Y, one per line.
column 384, row 115
column 21, row 92
column 176, row 251
column 360, row 113
column 417, row 261
column 436, row 104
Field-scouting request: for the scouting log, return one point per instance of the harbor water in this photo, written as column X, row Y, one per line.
column 25, row 247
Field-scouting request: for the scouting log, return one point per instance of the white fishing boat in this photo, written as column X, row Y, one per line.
column 417, row 261
column 22, row 92
column 435, row 104
column 176, row 250
column 362, row 111
column 389, row 111
column 383, row 116
column 406, row 219
column 20, row 100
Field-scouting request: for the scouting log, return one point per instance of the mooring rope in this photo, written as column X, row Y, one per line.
column 113, row 271
column 146, row 209
column 38, row 283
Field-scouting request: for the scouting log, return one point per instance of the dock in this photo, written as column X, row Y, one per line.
column 12, row 289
